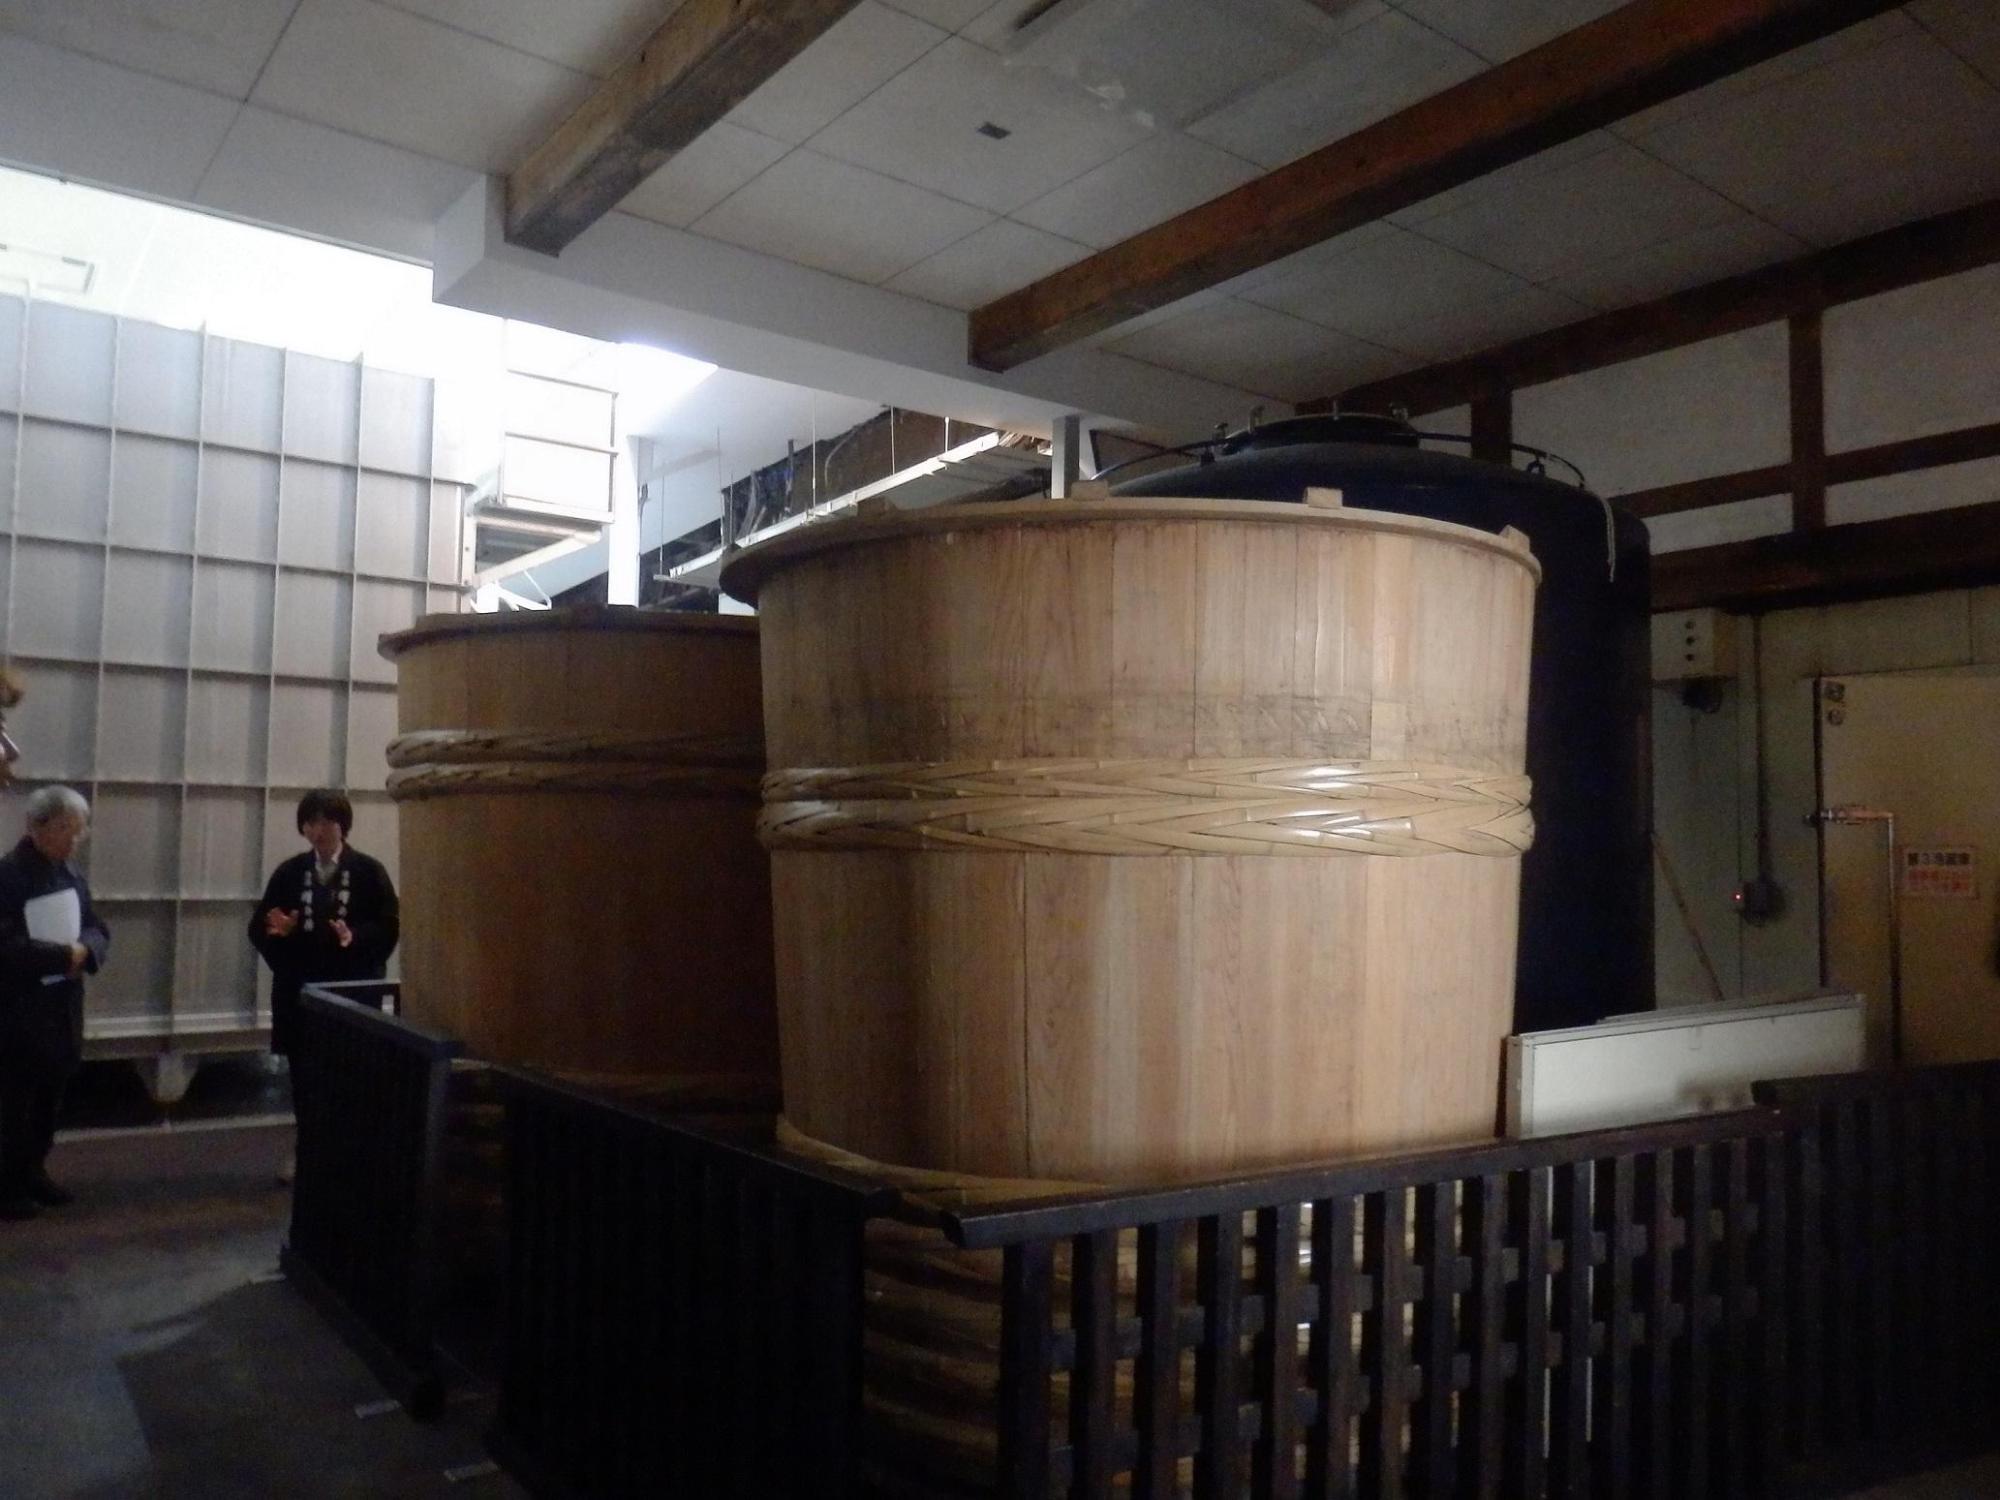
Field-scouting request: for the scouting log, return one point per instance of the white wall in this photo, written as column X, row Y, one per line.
column 1910, row 363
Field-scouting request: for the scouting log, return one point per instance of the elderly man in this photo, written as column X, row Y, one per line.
column 49, row 939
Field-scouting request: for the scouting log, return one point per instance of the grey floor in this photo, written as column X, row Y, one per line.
column 146, row 1348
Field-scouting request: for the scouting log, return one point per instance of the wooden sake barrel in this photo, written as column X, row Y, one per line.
column 1119, row 840
column 582, row 887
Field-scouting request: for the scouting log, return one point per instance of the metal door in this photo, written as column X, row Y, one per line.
column 1910, row 767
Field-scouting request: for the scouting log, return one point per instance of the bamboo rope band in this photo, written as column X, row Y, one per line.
column 1220, row 806
column 445, row 762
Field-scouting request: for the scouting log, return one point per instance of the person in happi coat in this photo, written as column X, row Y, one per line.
column 327, row 915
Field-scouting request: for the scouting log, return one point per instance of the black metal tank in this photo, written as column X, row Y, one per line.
column 1586, row 948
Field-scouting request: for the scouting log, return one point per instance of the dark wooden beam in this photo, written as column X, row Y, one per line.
column 1638, row 55
column 1869, row 559
column 1808, row 402
column 706, row 58
column 1699, row 494
column 1900, row 257
column 1904, row 457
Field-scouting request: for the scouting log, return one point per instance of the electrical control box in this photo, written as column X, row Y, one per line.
column 1693, row 645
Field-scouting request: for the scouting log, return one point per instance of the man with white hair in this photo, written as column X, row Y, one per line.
column 50, row 937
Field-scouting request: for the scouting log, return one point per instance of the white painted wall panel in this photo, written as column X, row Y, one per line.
column 239, row 505
column 1945, row 488
column 153, row 483
column 131, row 997
column 1912, row 362
column 65, row 481
column 58, row 597
column 371, row 724
column 309, row 747
column 322, row 408
column 1715, row 524
column 316, row 515
column 1710, row 408
column 69, row 363
column 232, row 617
column 146, row 610
column 56, row 723
column 159, row 380
column 395, row 422
column 135, row 842
column 313, row 624
column 392, row 524
column 228, row 723
column 243, row 394
column 221, row 841
column 378, row 609
column 143, row 726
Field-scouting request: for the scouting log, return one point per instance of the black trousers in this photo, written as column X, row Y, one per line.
column 28, row 1105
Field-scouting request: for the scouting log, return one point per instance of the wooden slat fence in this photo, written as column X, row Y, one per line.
column 682, row 1313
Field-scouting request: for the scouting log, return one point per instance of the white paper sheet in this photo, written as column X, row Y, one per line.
column 54, row 918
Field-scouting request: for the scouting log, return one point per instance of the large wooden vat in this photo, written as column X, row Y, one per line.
column 582, row 886
column 1118, row 840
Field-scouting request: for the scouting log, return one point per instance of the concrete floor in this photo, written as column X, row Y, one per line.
column 146, row 1348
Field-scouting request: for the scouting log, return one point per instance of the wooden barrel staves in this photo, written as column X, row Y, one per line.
column 583, row 891
column 1124, row 840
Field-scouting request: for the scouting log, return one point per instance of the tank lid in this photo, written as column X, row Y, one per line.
column 569, row 618
column 745, row 574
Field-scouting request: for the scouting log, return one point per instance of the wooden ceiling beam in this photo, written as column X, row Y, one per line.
column 706, row 58
column 1910, row 253
column 1868, row 559
column 1645, row 52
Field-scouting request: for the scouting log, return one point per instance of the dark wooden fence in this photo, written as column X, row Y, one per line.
column 682, row 1312
column 1892, row 1254
column 369, row 1093
column 1787, row 1301
column 1580, row 1316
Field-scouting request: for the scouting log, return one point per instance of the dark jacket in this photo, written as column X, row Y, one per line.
column 359, row 893
column 41, row 1025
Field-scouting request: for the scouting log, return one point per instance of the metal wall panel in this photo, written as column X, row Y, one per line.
column 202, row 540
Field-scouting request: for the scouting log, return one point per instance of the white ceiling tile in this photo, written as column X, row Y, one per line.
column 1377, row 68
column 89, row 120
column 1506, row 178
column 218, row 45
column 1970, row 28
column 952, row 15
column 1500, row 29
column 1858, row 38
column 1740, row 244
column 1166, row 61
column 718, row 162
column 923, row 127
column 996, row 260
column 282, row 171
column 360, row 66
column 1259, row 350
column 591, row 36
column 862, row 51
column 1871, row 138
column 1605, row 204
column 1300, row 262
column 1388, row 283
column 1152, row 182
column 838, row 217
column 997, row 22
column 1486, row 322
